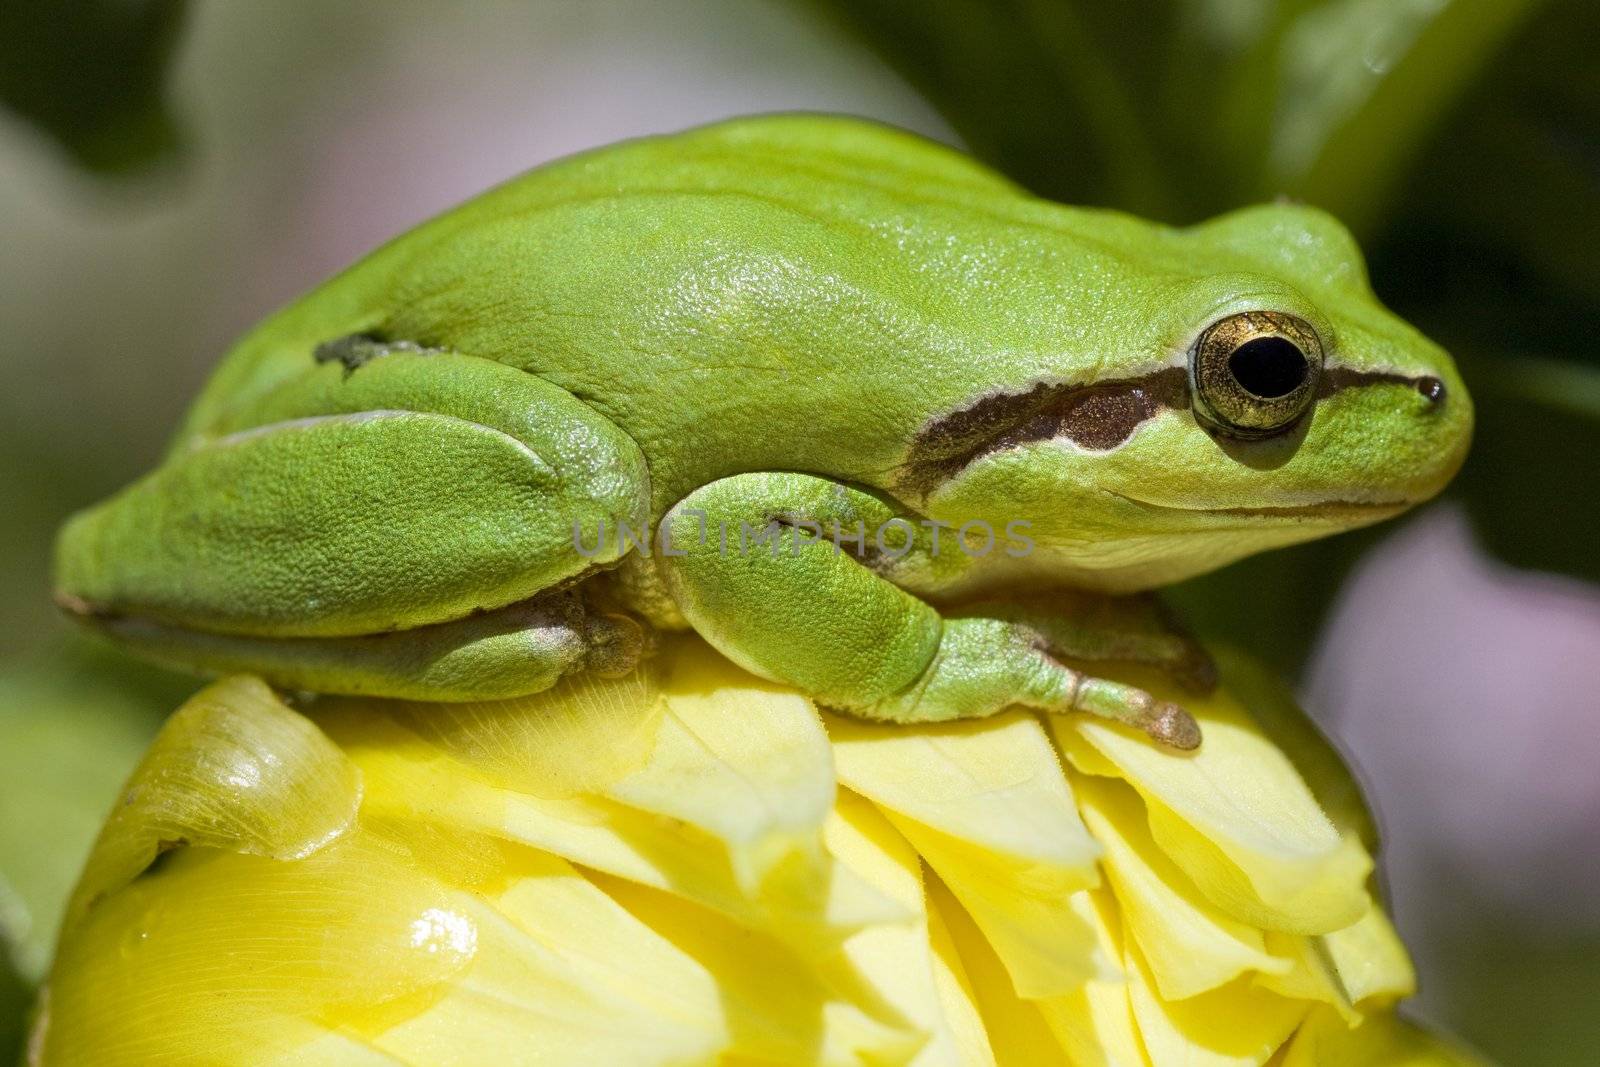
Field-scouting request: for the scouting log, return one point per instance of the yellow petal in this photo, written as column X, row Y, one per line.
column 234, row 768
column 1018, row 1033
column 563, row 974
column 578, row 737
column 995, row 782
column 661, row 870
column 1234, row 815
column 605, row 835
column 1191, row 946
column 957, row 996
column 1369, row 959
column 215, row 949
column 419, row 940
column 896, row 959
column 742, row 759
column 1366, row 958
column 1310, row 976
column 1384, row 1040
column 1096, row 1024
column 1273, row 708
column 1233, row 1026
column 779, row 1010
column 987, row 804
column 726, row 809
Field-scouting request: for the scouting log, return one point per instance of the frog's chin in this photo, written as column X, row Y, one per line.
column 1200, row 540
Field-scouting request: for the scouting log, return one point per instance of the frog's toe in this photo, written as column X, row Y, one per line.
column 1161, row 720
column 616, row 644
column 1174, row 727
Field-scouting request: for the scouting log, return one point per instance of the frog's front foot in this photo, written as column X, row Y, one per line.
column 1164, row 721
column 1077, row 625
column 799, row 608
column 987, row 664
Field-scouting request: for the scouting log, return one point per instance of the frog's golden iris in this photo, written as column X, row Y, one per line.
column 1254, row 374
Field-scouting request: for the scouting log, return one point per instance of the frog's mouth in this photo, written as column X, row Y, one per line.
column 1339, row 512
column 1334, row 510
column 1098, row 417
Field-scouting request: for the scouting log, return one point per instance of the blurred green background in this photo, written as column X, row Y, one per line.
column 170, row 172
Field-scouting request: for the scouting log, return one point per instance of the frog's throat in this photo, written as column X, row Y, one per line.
column 1098, row 416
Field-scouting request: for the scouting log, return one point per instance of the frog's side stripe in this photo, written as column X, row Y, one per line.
column 1099, row 416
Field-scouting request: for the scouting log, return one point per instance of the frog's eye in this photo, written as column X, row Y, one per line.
column 1255, row 373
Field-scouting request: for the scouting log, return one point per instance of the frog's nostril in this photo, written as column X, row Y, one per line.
column 1432, row 388
column 1269, row 367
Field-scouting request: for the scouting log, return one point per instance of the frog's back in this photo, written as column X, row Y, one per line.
column 499, row 245
column 733, row 298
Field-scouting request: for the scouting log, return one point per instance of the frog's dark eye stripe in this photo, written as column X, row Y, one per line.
column 1098, row 416
column 1267, row 367
column 1432, row 389
column 1255, row 374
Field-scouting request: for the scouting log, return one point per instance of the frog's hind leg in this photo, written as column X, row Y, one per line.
column 387, row 525
column 521, row 649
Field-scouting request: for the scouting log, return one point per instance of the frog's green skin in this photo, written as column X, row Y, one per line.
column 795, row 316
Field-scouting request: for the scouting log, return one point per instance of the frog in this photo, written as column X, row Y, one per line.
column 868, row 417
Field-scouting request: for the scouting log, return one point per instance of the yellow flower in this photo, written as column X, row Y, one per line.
column 693, row 866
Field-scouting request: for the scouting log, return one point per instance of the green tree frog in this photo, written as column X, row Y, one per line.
column 864, row 414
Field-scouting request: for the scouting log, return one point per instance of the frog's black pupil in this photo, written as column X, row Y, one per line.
column 1269, row 367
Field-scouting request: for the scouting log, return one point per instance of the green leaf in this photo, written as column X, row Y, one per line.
column 15, row 995
column 1031, row 89
column 1206, row 104
column 1530, row 483
column 74, row 723
column 1485, row 246
column 89, row 75
column 1361, row 84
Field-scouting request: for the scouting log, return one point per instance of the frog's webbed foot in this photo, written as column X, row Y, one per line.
column 614, row 643
column 1077, row 625
column 985, row 664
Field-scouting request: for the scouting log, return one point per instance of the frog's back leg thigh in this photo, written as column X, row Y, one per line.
column 389, row 503
column 757, row 565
